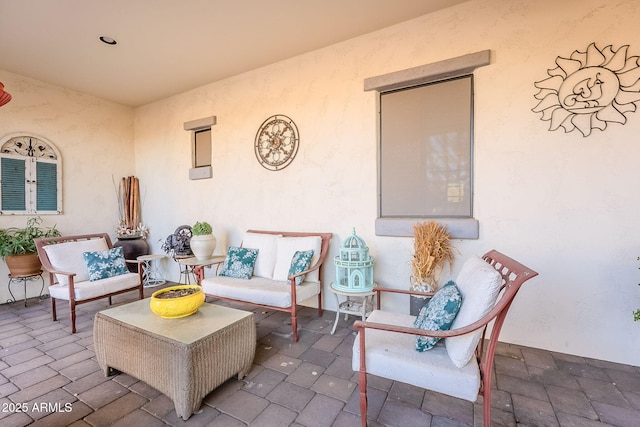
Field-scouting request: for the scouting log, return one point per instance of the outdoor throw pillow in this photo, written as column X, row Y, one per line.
column 438, row 314
column 300, row 262
column 239, row 262
column 479, row 283
column 104, row 264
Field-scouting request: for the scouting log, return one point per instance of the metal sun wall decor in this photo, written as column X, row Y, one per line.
column 590, row 89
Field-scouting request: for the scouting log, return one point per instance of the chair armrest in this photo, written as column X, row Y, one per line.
column 398, row 291
column 133, row 261
column 359, row 324
column 307, row 271
column 63, row 273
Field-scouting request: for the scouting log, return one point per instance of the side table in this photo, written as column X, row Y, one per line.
column 150, row 274
column 24, row 279
column 194, row 267
column 362, row 306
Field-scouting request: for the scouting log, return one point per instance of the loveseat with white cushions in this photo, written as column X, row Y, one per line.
column 86, row 268
column 459, row 365
column 273, row 269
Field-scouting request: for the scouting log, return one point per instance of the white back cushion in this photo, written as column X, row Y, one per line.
column 479, row 283
column 67, row 257
column 287, row 247
column 266, row 246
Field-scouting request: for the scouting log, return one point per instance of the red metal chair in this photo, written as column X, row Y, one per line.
column 392, row 344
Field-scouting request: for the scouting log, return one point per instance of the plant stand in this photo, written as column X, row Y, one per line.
column 15, row 279
column 363, row 306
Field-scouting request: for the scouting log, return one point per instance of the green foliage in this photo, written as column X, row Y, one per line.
column 201, row 228
column 16, row 241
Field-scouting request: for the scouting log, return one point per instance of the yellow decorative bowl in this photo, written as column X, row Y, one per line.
column 181, row 306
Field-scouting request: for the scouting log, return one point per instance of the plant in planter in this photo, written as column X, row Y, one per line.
column 177, row 301
column 203, row 242
column 18, row 249
column 432, row 250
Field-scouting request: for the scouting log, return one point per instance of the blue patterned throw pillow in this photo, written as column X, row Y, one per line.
column 300, row 262
column 104, row 264
column 239, row 262
column 438, row 314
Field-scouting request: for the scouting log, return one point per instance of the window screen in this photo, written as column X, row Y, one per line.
column 426, row 150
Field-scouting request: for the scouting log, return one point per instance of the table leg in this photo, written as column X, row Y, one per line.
column 335, row 323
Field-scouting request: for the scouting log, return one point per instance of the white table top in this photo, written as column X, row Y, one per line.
column 209, row 318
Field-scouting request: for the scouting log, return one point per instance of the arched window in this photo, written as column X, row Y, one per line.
column 30, row 176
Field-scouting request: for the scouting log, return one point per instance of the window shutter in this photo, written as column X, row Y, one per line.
column 46, row 186
column 13, row 182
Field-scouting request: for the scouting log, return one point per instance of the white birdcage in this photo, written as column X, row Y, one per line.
column 354, row 266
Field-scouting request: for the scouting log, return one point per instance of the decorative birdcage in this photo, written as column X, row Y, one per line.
column 354, row 266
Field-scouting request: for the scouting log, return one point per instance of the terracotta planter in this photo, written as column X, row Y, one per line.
column 24, row 264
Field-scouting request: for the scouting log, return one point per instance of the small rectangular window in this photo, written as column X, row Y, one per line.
column 202, row 148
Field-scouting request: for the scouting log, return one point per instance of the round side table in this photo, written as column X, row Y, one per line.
column 150, row 274
column 362, row 306
column 193, row 267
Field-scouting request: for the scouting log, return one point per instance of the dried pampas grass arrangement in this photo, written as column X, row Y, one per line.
column 432, row 250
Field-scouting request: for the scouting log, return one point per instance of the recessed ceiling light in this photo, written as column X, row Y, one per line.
column 108, row 40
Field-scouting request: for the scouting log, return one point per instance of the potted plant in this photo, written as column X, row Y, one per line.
column 203, row 242
column 432, row 250
column 18, row 249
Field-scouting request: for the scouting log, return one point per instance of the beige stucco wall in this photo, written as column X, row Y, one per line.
column 95, row 140
column 559, row 202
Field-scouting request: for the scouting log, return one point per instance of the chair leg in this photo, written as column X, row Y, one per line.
column 72, row 315
column 54, row 315
column 320, row 304
column 487, row 407
column 294, row 325
column 109, row 300
column 363, row 381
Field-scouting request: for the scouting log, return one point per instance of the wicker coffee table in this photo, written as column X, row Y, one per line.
column 183, row 358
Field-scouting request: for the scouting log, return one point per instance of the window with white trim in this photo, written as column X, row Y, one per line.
column 30, row 176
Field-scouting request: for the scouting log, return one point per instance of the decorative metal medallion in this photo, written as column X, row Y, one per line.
column 277, row 142
column 590, row 89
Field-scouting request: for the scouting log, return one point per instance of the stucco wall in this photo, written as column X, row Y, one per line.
column 559, row 202
column 95, row 140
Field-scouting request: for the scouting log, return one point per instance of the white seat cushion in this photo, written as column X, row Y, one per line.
column 266, row 246
column 287, row 247
column 393, row 355
column 259, row 290
column 87, row 290
column 479, row 284
column 67, row 257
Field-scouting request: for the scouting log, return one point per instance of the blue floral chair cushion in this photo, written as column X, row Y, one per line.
column 239, row 262
column 438, row 314
column 104, row 264
column 300, row 262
